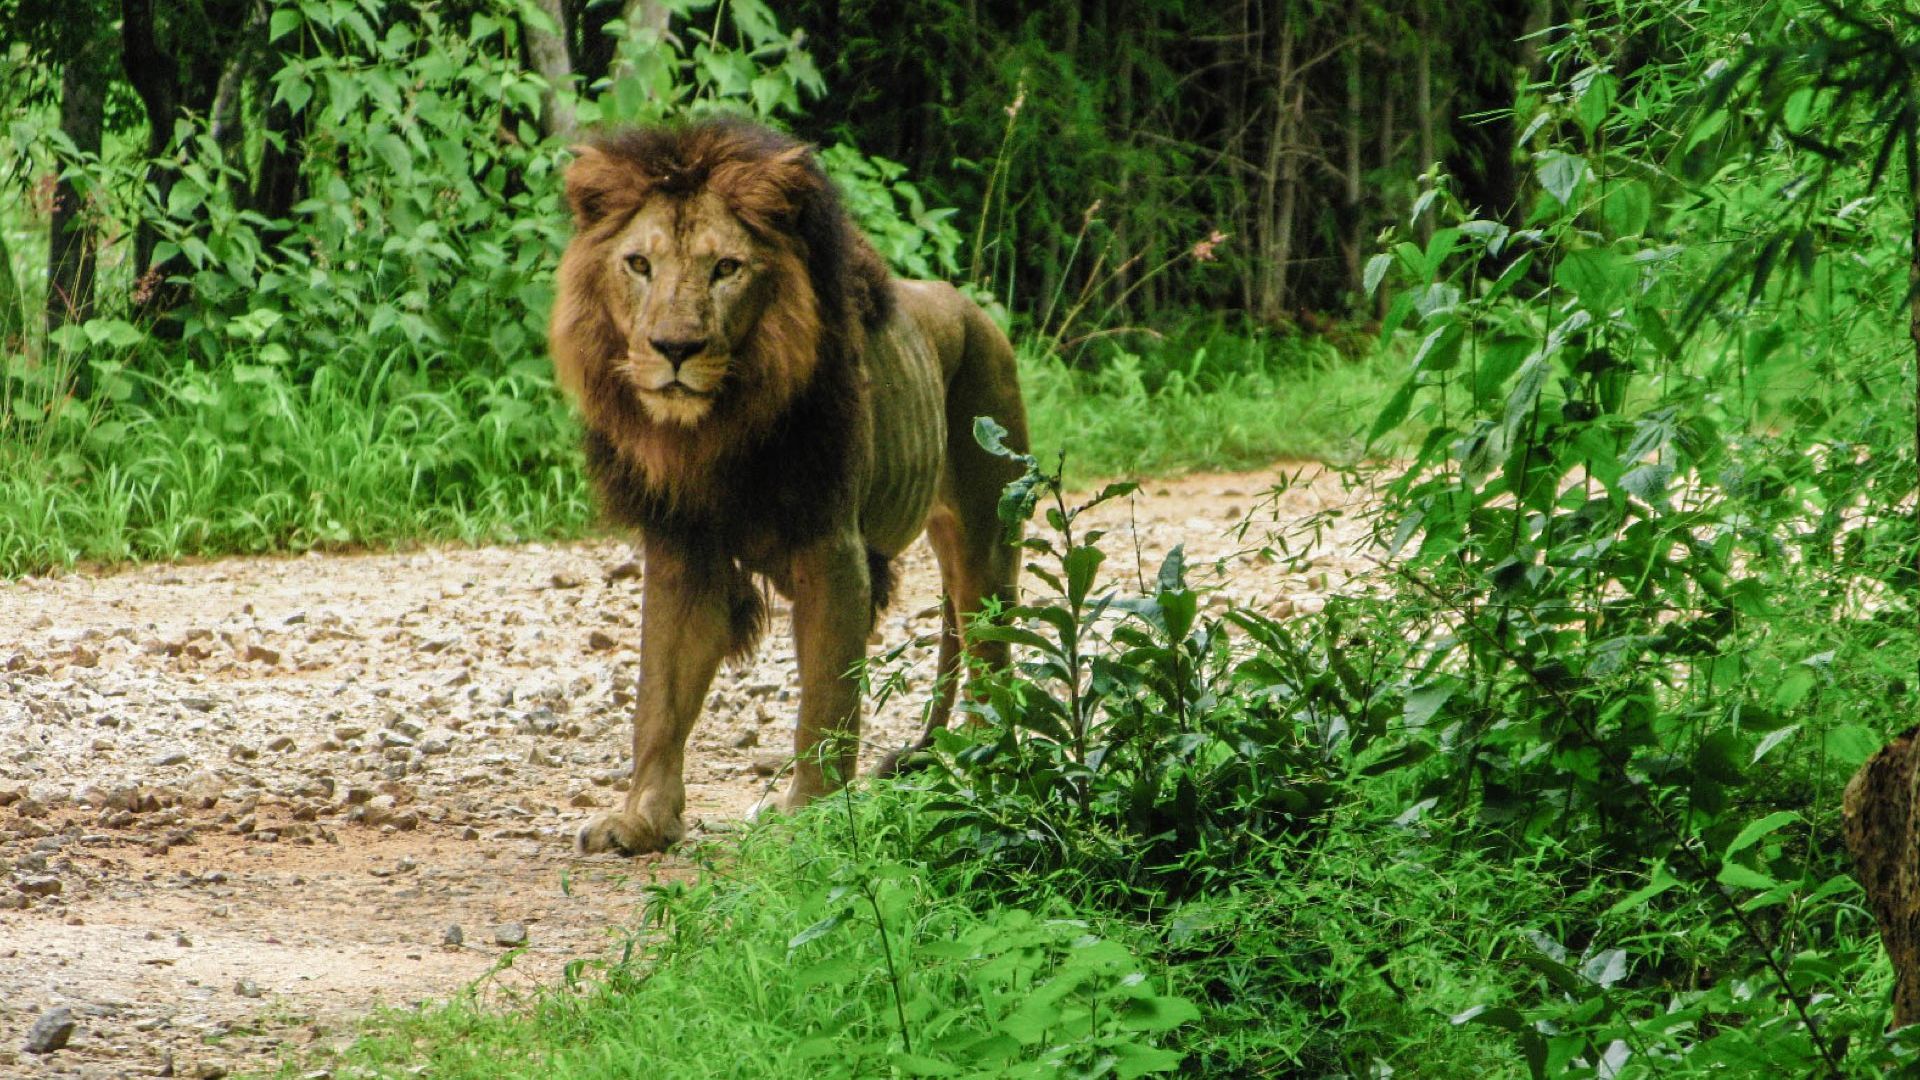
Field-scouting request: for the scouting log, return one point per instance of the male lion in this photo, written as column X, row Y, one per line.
column 762, row 399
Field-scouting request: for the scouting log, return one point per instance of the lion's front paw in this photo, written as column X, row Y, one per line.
column 628, row 834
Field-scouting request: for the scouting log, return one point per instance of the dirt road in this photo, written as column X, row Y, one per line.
column 245, row 801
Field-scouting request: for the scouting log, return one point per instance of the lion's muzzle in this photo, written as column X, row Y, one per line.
column 677, row 351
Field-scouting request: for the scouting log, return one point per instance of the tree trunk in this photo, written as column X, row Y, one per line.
column 71, row 250
column 1353, row 234
column 155, row 77
column 1423, row 109
column 1121, row 215
column 1239, row 61
column 1878, row 820
column 1276, row 234
column 547, row 49
column 1388, row 136
column 229, row 129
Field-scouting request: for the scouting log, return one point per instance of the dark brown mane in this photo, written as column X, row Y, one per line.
column 774, row 464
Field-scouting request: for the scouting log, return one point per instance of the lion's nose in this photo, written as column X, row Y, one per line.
column 677, row 352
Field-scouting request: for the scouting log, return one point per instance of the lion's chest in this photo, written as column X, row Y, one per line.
column 906, row 393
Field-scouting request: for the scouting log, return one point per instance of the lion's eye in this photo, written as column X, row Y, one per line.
column 639, row 265
column 725, row 268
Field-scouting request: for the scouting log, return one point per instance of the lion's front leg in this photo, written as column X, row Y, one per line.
column 684, row 632
column 832, row 615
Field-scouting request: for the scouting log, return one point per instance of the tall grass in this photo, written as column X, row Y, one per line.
column 248, row 457
column 1223, row 401
column 244, row 459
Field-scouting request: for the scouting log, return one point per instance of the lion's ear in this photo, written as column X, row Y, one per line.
column 771, row 189
column 598, row 183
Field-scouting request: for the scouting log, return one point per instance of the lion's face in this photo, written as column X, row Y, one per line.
column 687, row 283
column 686, row 321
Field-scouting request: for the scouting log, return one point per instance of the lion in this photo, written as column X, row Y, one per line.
column 763, row 401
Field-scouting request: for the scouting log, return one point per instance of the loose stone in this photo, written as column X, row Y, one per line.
column 51, row 1031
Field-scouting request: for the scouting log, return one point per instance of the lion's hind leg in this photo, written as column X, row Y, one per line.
column 978, row 569
column 946, row 688
column 978, row 566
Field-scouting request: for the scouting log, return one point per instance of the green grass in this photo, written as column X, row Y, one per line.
column 1331, row 961
column 242, row 458
column 773, row 965
column 1217, row 403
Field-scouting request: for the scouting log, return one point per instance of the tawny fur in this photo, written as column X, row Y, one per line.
column 824, row 420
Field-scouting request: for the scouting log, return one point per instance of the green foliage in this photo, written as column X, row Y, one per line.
column 917, row 241
column 246, row 458
column 1659, row 585
column 1129, row 744
column 1203, row 397
column 1557, row 798
column 825, row 947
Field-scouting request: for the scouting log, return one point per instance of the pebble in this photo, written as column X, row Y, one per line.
column 511, row 935
column 247, row 988
column 453, row 937
column 51, row 1031
column 40, row 886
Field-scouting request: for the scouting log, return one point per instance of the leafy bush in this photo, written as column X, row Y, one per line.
column 1661, row 578
column 1131, row 743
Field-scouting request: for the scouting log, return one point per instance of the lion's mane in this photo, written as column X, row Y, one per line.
column 781, row 449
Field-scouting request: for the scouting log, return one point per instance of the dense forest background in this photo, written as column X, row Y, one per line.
column 1152, row 160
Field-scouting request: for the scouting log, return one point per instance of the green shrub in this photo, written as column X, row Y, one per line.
column 1131, row 743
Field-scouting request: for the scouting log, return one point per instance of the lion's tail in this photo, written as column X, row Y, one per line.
column 881, row 576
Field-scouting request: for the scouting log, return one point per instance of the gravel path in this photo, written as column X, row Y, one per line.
column 242, row 802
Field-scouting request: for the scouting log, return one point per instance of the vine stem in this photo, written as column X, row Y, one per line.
column 880, row 922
